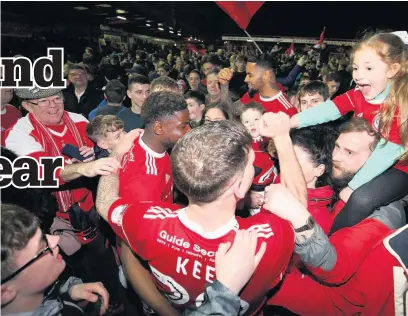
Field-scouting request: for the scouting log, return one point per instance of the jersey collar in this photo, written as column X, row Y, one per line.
column 222, row 231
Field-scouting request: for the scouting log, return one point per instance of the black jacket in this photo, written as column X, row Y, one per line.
column 88, row 101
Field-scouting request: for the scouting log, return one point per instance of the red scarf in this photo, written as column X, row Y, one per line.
column 64, row 198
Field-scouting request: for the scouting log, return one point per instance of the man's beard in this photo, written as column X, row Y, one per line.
column 341, row 181
column 252, row 92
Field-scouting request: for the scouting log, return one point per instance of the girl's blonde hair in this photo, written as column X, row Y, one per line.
column 392, row 49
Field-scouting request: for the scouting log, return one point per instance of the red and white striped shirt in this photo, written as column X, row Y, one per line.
column 146, row 175
column 278, row 103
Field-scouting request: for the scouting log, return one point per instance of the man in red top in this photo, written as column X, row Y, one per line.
column 262, row 86
column 146, row 169
column 146, row 176
column 180, row 244
column 9, row 114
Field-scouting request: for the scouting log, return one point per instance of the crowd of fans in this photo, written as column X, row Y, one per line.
column 224, row 183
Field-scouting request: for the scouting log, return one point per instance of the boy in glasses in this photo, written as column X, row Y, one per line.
column 31, row 263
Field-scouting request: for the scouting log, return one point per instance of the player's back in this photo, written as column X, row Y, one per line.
column 182, row 257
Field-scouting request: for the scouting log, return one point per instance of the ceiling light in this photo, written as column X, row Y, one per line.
column 179, row 34
column 160, row 24
column 249, row 40
column 80, row 8
column 120, row 11
column 171, row 32
column 121, row 17
column 147, row 24
column 148, row 21
column 103, row 5
column 161, row 29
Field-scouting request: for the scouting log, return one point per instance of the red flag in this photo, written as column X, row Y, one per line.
column 291, row 50
column 191, row 47
column 321, row 40
column 240, row 11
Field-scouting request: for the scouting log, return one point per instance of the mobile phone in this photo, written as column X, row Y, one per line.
column 73, row 152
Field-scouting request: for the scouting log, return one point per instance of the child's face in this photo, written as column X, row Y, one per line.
column 251, row 119
column 370, row 73
column 310, row 100
column 111, row 140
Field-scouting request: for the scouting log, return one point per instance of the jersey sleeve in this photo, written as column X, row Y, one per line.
column 280, row 246
column 125, row 218
column 292, row 111
column 140, row 187
column 346, row 102
column 283, row 247
column 245, row 99
column 383, row 157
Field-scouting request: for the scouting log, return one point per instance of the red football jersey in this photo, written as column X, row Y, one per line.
column 353, row 100
column 278, row 103
column 265, row 170
column 146, row 175
column 181, row 255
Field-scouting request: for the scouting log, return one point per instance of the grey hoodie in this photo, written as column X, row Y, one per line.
column 53, row 306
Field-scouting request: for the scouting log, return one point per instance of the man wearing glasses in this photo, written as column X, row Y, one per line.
column 31, row 263
column 43, row 132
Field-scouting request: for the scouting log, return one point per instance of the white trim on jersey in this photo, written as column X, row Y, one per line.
column 150, row 151
column 400, row 291
column 263, row 230
column 268, row 174
column 155, row 212
column 231, row 225
column 150, row 164
column 268, row 99
column 285, row 102
column 348, row 96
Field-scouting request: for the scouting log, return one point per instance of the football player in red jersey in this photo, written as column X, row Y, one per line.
column 146, row 174
column 180, row 244
column 262, row 86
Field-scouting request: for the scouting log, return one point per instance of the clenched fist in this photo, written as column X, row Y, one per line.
column 225, row 75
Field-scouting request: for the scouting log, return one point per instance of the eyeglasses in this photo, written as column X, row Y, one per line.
column 45, row 103
column 77, row 74
column 29, row 263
